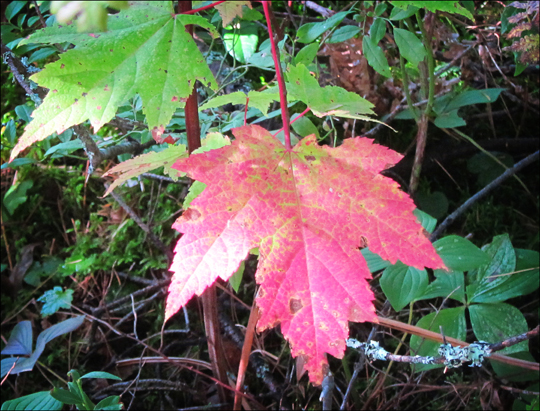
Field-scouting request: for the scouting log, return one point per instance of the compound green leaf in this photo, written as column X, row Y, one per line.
column 343, row 34
column 497, row 280
column 241, row 42
column 470, row 97
column 447, row 285
column 310, row 31
column 449, row 119
column 306, row 54
column 398, row 13
column 377, row 30
column 101, row 374
column 427, row 221
column 374, row 261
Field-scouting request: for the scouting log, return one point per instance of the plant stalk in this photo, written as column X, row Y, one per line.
column 209, row 297
column 421, row 136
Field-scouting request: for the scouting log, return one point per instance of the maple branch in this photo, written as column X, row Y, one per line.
column 96, row 155
column 193, row 129
column 21, row 73
column 209, row 297
column 482, row 193
column 281, row 83
column 246, row 350
column 257, row 362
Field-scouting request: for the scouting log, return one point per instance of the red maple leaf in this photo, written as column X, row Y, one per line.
column 308, row 209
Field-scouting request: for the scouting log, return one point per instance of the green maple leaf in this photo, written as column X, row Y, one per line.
column 144, row 163
column 146, row 51
column 324, row 101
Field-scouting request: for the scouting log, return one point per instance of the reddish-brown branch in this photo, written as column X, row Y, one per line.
column 209, row 298
column 433, row 336
column 193, row 128
column 246, row 110
column 246, row 351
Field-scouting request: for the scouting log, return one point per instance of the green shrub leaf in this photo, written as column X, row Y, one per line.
column 497, row 322
column 460, row 254
column 375, row 57
column 42, row 400
column 402, row 284
column 410, row 46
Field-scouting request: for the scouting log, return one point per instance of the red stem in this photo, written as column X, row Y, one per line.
column 302, row 114
column 281, row 82
column 208, row 6
column 246, row 110
column 209, row 297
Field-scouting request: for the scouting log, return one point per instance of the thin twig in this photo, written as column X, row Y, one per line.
column 155, row 240
column 20, row 73
column 482, row 193
column 327, row 391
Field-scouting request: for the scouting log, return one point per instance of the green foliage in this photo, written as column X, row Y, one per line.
column 74, row 395
column 434, row 6
column 38, row 401
column 54, row 300
column 375, row 56
column 241, row 42
column 410, row 46
column 20, row 343
column 402, row 284
column 309, row 32
column 493, row 276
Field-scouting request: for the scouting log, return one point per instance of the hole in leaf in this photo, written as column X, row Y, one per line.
column 295, row 305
